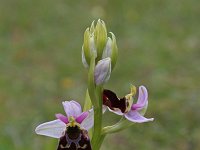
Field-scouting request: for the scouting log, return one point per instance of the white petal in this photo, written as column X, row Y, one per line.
column 104, row 108
column 88, row 122
column 116, row 111
column 53, row 128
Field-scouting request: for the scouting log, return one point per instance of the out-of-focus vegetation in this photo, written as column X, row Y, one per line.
column 40, row 65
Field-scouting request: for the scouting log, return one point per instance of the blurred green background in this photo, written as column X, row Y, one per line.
column 40, row 66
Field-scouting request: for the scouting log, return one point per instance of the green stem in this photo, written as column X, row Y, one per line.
column 121, row 125
column 92, row 93
column 95, row 93
column 97, row 118
column 91, row 84
column 101, row 138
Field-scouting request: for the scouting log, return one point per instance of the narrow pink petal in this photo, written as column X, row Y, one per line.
column 88, row 122
column 72, row 108
column 135, row 117
column 62, row 118
column 80, row 118
column 137, row 106
column 142, row 99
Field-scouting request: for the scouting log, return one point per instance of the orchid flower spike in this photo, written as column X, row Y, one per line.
column 70, row 129
column 98, row 44
column 134, row 112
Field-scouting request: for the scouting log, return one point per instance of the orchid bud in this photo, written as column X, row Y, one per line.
column 100, row 34
column 108, row 49
column 102, row 71
column 94, row 42
column 85, row 47
column 114, row 53
column 111, row 50
column 92, row 46
column 84, row 61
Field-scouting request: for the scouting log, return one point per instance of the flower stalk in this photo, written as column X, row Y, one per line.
column 95, row 93
column 91, row 84
column 98, row 118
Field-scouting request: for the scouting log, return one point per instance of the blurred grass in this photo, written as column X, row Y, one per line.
column 40, row 62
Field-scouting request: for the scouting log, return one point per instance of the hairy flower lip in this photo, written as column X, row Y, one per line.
column 111, row 100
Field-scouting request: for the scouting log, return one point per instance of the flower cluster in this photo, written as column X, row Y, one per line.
column 104, row 49
column 99, row 56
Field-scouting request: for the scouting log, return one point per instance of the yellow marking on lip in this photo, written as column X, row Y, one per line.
column 129, row 98
column 72, row 122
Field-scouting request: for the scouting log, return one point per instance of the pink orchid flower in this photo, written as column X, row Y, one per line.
column 57, row 128
column 134, row 112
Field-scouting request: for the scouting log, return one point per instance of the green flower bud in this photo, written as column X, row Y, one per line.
column 92, row 47
column 98, row 44
column 100, row 34
column 108, row 49
column 92, row 28
column 111, row 50
column 85, row 64
column 114, row 53
column 86, row 46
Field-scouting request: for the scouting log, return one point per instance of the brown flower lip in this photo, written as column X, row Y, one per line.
column 74, row 139
column 111, row 100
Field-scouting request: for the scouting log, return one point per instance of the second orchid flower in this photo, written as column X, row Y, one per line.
column 70, row 129
column 126, row 107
